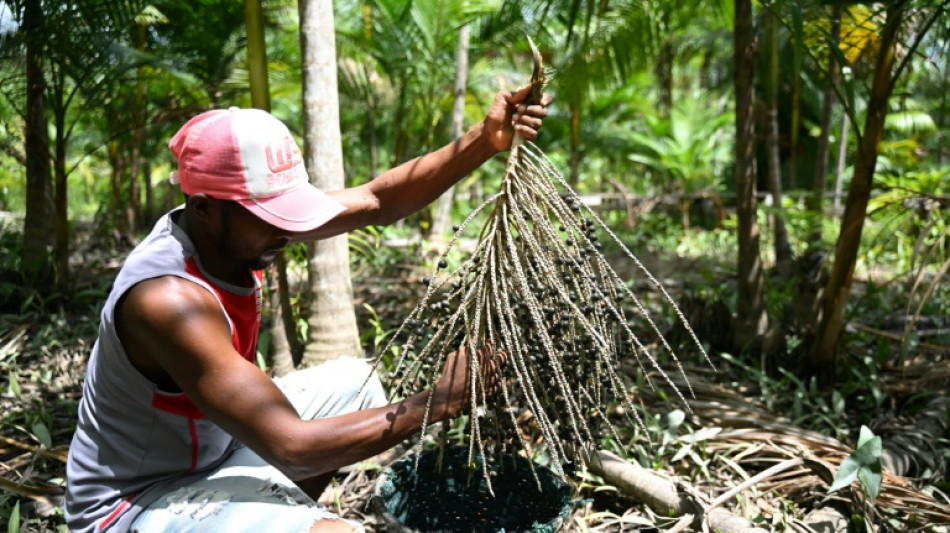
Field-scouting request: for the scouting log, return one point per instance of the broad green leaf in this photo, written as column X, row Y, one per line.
column 13, row 526
column 864, row 436
column 837, row 402
column 14, row 385
column 701, row 435
column 847, row 473
column 674, row 419
column 680, row 454
column 41, row 432
column 869, row 453
column 871, row 477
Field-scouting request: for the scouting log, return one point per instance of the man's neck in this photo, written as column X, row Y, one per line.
column 211, row 260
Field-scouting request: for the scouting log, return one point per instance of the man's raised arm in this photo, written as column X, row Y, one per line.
column 414, row 184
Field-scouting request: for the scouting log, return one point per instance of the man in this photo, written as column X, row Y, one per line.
column 178, row 430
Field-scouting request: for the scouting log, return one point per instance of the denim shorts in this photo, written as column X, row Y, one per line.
column 247, row 494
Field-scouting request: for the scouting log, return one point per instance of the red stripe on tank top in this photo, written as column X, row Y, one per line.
column 176, row 404
column 243, row 311
column 112, row 516
column 194, row 444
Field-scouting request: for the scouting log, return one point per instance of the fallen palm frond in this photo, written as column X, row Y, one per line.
column 753, row 440
column 537, row 289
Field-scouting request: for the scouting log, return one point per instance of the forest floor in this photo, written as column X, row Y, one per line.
column 740, row 420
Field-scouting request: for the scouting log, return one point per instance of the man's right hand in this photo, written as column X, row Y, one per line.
column 452, row 392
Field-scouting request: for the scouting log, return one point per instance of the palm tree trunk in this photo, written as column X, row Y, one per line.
column 371, row 141
column 752, row 318
column 796, row 101
column 148, row 209
column 664, row 66
column 283, row 360
column 399, row 145
column 117, row 163
column 945, row 86
column 823, row 355
column 575, row 144
column 783, row 250
column 842, row 160
column 133, row 210
column 332, row 328
column 817, row 198
column 38, row 236
column 443, row 212
column 61, row 251
column 256, row 55
column 284, row 347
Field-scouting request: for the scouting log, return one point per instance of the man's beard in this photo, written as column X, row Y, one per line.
column 225, row 245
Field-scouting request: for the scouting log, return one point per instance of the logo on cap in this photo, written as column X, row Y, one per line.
column 282, row 155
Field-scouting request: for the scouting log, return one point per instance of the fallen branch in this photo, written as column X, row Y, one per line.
column 763, row 475
column 58, row 452
column 40, row 494
column 661, row 494
column 897, row 337
column 684, row 522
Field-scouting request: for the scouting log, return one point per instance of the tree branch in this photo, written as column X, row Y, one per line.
column 661, row 495
column 12, row 151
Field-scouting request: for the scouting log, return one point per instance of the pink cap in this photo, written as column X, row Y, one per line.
column 249, row 156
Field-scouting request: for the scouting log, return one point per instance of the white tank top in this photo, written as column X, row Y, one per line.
column 133, row 441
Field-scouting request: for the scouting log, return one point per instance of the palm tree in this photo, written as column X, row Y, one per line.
column 816, row 200
column 752, row 320
column 783, row 250
column 38, row 228
column 887, row 70
column 332, row 330
column 442, row 217
column 71, row 47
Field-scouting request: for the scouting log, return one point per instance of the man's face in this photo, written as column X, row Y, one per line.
column 248, row 239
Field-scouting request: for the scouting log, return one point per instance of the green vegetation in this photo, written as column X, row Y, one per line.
column 839, row 358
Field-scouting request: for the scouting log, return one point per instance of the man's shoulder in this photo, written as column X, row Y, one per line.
column 165, row 247
column 167, row 299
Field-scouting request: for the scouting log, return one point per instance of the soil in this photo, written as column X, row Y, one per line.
column 43, row 356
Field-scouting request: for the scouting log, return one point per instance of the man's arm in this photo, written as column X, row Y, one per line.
column 173, row 327
column 409, row 187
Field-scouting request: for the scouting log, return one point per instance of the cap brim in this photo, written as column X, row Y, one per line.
column 300, row 209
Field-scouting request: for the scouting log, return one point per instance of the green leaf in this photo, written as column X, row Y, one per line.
column 837, row 402
column 871, row 477
column 869, row 453
column 674, row 419
column 13, row 526
column 14, row 385
column 680, row 454
column 847, row 473
column 701, row 435
column 41, row 432
column 864, row 436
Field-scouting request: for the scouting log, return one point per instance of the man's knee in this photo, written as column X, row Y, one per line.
column 355, row 378
column 335, row 525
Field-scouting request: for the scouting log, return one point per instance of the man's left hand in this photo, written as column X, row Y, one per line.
column 509, row 114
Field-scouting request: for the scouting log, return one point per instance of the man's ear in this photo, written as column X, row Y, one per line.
column 202, row 206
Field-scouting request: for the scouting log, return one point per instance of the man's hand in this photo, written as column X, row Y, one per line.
column 509, row 114
column 452, row 392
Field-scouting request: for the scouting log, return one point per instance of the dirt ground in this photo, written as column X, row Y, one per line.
column 42, row 363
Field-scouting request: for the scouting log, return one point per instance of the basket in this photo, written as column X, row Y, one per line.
column 424, row 499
